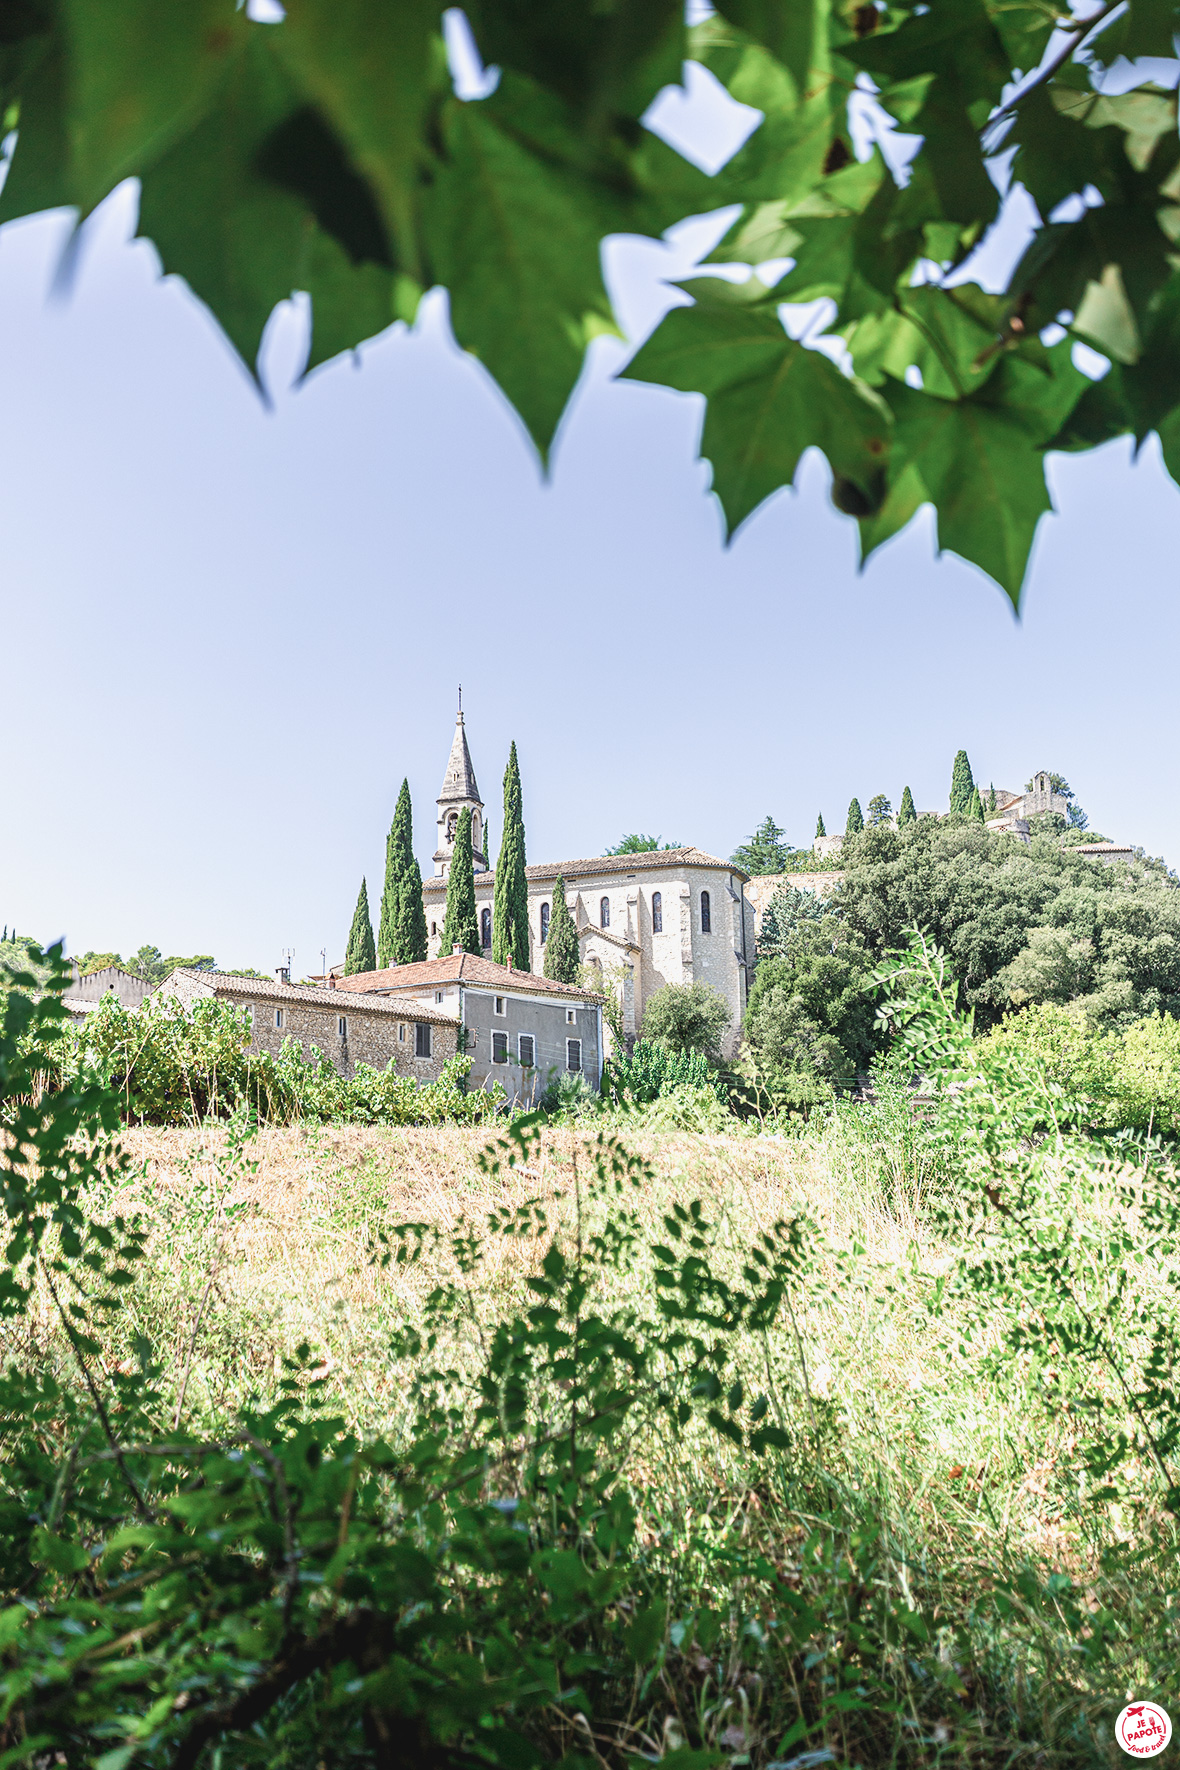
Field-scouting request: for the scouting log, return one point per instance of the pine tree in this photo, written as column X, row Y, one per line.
column 461, row 927
column 962, row 783
column 975, row 807
column 361, row 954
column 399, row 858
column 819, row 827
column 855, row 819
column 562, row 951
column 880, row 810
column 906, row 813
column 510, row 900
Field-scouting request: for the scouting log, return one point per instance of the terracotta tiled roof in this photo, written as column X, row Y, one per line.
column 460, row 968
column 609, row 863
column 1100, row 848
column 298, row 992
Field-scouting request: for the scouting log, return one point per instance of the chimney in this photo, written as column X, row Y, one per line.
column 510, row 961
column 456, row 949
column 331, row 980
column 282, row 973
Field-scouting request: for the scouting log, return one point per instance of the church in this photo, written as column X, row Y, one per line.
column 643, row 920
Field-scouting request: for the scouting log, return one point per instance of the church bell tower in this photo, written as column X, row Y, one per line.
column 459, row 791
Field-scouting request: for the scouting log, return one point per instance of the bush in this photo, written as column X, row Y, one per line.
column 687, row 1017
column 689, row 1107
column 171, row 1067
column 1128, row 1076
column 652, row 1070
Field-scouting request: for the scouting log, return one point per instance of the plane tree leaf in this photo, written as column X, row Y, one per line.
column 769, row 399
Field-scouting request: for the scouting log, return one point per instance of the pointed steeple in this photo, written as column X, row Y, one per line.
column 459, row 789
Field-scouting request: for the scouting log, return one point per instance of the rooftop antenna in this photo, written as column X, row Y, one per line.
column 460, row 700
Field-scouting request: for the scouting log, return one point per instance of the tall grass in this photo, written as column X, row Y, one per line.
column 921, row 1483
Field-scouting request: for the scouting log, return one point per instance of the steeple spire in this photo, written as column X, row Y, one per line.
column 459, row 789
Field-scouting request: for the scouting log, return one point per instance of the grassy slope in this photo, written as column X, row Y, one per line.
column 967, row 1476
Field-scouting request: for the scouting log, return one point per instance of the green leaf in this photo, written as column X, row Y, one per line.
column 141, row 76
column 1025, row 30
column 49, row 1550
column 349, row 302
column 795, row 31
column 368, row 70
column 950, row 335
column 39, row 175
column 769, row 400
column 526, row 310
column 237, row 240
column 645, row 1632
column 604, row 61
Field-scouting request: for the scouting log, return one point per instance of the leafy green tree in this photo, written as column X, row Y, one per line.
column 975, row 807
column 91, row 962
column 811, row 1011
column 411, row 942
column 962, row 783
column 461, row 926
column 783, row 914
column 880, row 810
column 687, row 1017
column 399, row 862
column 991, row 800
column 765, row 852
column 906, row 812
column 855, row 820
column 562, row 951
column 361, row 952
column 349, row 169
column 819, row 826
column 510, row 901
column 637, row 844
column 980, row 896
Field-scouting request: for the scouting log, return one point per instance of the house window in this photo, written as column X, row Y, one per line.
column 706, row 914
column 604, row 913
column 657, row 913
column 401, row 1035
column 527, row 1050
column 341, row 1026
column 544, row 923
column 499, row 1047
column 438, row 995
column 571, row 1017
column 499, row 1007
column 421, row 1038
column 434, row 928
column 278, row 1017
column 573, row 1054
column 485, row 928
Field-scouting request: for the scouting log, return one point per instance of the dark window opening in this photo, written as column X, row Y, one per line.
column 657, row 913
column 604, row 913
column 485, row 928
column 706, row 914
column 421, row 1038
column 527, row 1050
column 499, row 1047
column 573, row 1054
column 544, row 923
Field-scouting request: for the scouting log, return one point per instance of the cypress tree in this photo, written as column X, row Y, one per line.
column 975, row 808
column 991, row 801
column 819, row 826
column 461, row 927
column 906, row 814
column 562, row 951
column 510, row 900
column 399, row 858
column 962, row 783
column 361, row 954
column 411, row 917
column 855, row 819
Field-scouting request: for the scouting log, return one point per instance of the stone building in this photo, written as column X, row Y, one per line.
column 518, row 1030
column 417, row 1037
column 86, row 993
column 643, row 920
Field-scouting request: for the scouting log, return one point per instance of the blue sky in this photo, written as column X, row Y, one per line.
column 229, row 632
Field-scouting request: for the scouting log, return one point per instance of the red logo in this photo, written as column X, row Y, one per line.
column 1143, row 1729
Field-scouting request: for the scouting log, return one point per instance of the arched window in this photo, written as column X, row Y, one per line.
column 706, row 914
column 604, row 913
column 485, row 928
column 544, row 923
column 452, row 825
column 657, row 913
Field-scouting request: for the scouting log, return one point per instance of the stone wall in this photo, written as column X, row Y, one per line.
column 373, row 1034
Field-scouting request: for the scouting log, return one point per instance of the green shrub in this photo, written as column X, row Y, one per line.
column 1129, row 1077
column 651, row 1070
column 687, row 1017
